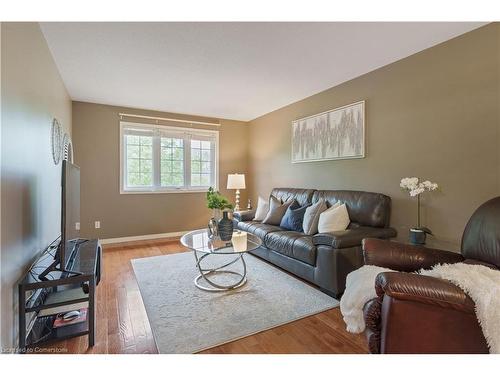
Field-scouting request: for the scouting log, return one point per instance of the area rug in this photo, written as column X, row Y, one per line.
column 185, row 319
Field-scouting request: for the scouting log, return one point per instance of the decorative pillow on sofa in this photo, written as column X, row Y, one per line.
column 294, row 216
column 262, row 209
column 276, row 211
column 334, row 219
column 311, row 217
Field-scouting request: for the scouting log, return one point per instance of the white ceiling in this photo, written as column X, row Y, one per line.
column 227, row 70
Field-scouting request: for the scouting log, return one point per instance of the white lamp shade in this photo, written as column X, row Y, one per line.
column 236, row 181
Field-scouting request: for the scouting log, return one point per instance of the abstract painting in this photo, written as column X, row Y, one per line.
column 335, row 134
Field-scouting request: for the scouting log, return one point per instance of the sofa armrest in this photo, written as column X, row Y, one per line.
column 351, row 237
column 423, row 289
column 402, row 257
column 423, row 315
column 246, row 215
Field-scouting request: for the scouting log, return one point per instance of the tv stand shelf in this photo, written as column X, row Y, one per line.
column 43, row 332
column 40, row 301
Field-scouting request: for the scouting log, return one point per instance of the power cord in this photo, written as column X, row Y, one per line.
column 49, row 252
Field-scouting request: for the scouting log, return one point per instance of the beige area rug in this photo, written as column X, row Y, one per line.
column 185, row 319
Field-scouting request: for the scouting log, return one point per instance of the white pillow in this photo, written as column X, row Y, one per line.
column 262, row 209
column 336, row 218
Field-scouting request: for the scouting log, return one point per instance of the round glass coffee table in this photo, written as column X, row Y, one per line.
column 199, row 241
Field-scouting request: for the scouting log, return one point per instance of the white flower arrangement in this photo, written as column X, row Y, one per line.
column 416, row 187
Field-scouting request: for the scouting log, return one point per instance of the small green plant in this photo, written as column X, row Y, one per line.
column 216, row 200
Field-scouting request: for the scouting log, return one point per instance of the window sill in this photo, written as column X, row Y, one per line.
column 179, row 191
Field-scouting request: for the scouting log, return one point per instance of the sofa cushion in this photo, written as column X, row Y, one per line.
column 303, row 196
column 481, row 238
column 292, row 244
column 334, row 219
column 364, row 208
column 311, row 217
column 294, row 217
column 351, row 237
column 277, row 210
column 257, row 228
column 262, row 209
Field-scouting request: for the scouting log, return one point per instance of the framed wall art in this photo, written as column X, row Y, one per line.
column 331, row 135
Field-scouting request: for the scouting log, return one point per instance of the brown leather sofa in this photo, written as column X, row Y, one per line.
column 323, row 259
column 422, row 314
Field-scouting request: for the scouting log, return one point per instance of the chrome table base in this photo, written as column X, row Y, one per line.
column 205, row 273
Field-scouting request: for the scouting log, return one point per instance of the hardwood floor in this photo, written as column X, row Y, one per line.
column 123, row 327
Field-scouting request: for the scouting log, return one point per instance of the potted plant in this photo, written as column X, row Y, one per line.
column 219, row 226
column 415, row 188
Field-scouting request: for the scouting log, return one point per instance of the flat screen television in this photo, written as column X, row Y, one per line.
column 70, row 220
column 70, row 212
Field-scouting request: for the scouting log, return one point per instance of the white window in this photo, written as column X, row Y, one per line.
column 155, row 158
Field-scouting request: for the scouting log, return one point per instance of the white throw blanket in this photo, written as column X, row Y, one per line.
column 481, row 283
column 359, row 289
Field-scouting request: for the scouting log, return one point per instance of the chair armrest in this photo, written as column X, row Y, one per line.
column 372, row 313
column 402, row 257
column 423, row 289
column 247, row 215
column 421, row 315
column 351, row 237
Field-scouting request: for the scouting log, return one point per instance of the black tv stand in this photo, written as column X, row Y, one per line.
column 70, row 287
column 53, row 267
column 57, row 262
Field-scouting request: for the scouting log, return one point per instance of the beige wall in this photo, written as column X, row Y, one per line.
column 96, row 144
column 32, row 94
column 433, row 115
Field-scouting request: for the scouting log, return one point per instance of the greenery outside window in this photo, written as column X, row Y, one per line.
column 155, row 158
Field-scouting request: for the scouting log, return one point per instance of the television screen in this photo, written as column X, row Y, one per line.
column 70, row 211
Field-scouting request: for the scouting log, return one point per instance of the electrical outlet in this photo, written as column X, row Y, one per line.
column 97, row 224
column 77, row 226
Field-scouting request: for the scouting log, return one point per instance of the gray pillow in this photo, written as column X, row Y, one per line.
column 311, row 217
column 276, row 211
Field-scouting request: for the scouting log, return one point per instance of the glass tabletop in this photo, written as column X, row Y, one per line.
column 241, row 242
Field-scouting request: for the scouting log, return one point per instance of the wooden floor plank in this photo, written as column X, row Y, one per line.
column 123, row 326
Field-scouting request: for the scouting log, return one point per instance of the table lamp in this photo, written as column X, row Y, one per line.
column 236, row 181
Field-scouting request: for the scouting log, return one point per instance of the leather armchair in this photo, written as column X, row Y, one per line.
column 405, row 258
column 421, row 314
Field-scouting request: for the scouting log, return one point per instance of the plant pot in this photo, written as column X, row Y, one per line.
column 417, row 236
column 225, row 227
column 216, row 214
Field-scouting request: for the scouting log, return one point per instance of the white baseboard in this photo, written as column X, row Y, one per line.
column 157, row 236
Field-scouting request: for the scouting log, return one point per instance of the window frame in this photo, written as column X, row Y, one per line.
column 158, row 132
